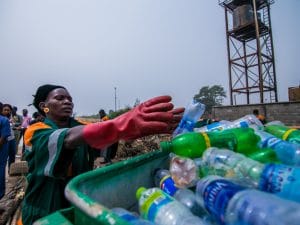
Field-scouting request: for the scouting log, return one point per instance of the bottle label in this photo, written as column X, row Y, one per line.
column 286, row 134
column 215, row 126
column 153, row 203
column 270, row 142
column 217, row 195
column 167, row 184
column 283, row 180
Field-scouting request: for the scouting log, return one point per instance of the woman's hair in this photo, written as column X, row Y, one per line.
column 42, row 94
column 7, row 105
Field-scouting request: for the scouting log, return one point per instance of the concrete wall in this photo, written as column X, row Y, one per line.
column 286, row 112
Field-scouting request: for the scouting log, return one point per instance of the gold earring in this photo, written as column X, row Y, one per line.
column 46, row 110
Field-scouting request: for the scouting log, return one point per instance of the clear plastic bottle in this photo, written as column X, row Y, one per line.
column 157, row 206
column 233, row 204
column 229, row 164
column 131, row 217
column 287, row 152
column 183, row 171
column 191, row 115
column 279, row 179
column 163, row 180
column 215, row 126
column 245, row 121
column 249, row 120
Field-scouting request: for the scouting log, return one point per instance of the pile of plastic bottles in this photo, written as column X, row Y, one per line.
column 226, row 173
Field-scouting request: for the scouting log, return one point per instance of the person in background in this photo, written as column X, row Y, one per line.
column 6, row 111
column 103, row 116
column 259, row 116
column 4, row 134
column 17, row 122
column 60, row 148
column 24, row 125
column 110, row 151
column 36, row 117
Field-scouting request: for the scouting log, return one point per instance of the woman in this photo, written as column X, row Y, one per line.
column 4, row 134
column 6, row 111
column 59, row 148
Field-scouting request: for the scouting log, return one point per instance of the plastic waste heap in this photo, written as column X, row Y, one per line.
column 245, row 121
column 242, row 140
column 233, row 204
column 284, row 132
column 279, row 179
column 157, row 206
column 191, row 115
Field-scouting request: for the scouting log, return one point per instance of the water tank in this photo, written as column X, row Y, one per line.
column 243, row 15
column 294, row 93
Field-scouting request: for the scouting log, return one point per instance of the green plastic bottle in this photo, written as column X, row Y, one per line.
column 284, row 132
column 241, row 140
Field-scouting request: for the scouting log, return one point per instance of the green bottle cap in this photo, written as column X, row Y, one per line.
column 139, row 192
column 165, row 146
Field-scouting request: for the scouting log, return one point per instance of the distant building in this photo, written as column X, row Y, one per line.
column 294, row 94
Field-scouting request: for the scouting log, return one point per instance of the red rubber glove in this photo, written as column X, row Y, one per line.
column 154, row 116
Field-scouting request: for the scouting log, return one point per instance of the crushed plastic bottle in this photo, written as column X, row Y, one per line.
column 191, row 115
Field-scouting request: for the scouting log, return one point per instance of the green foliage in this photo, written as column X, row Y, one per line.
column 211, row 96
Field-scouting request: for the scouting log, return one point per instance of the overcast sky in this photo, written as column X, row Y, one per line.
column 144, row 48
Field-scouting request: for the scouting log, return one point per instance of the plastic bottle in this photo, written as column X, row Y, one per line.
column 226, row 163
column 279, row 179
column 284, row 133
column 184, row 171
column 131, row 217
column 287, row 152
column 245, row 121
column 215, row 126
column 233, row 204
column 193, row 144
column 157, row 206
column 191, row 115
column 163, row 180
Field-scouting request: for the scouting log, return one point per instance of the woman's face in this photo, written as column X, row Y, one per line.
column 6, row 111
column 59, row 103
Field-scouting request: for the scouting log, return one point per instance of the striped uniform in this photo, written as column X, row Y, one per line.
column 50, row 168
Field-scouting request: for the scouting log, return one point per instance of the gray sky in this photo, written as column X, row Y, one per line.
column 144, row 48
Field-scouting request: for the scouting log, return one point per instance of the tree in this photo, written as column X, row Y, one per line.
column 211, row 96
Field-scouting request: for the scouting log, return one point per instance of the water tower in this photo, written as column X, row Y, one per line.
column 250, row 51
